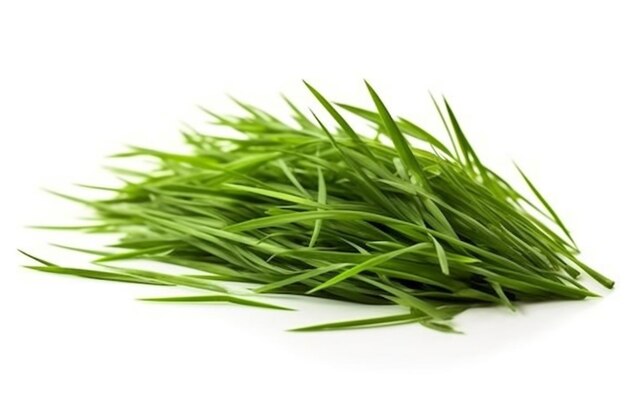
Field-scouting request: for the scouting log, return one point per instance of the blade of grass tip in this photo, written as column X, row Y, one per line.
column 501, row 295
column 211, row 113
column 399, row 141
column 342, row 122
column 299, row 117
column 93, row 204
column 250, row 109
column 36, row 259
column 82, row 250
column 94, row 274
column 96, row 187
column 355, row 324
column 321, row 199
column 601, row 279
column 466, row 147
column 69, row 197
column 371, row 190
column 216, row 298
column 441, row 222
column 542, row 285
column 459, row 137
column 405, row 126
column 403, row 298
column 441, row 255
column 440, row 327
column 289, row 174
column 126, row 171
column 139, row 253
column 203, row 282
column 414, row 130
column 547, row 206
column 445, row 125
column 44, row 227
column 376, row 260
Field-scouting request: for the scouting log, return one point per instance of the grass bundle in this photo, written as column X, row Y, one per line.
column 392, row 217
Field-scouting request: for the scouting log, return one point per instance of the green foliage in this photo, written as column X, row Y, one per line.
column 309, row 210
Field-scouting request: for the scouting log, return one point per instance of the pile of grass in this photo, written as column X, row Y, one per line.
column 298, row 207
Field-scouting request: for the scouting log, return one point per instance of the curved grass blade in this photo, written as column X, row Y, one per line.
column 95, row 274
column 361, row 323
column 403, row 124
column 370, row 263
column 547, row 206
column 214, row 299
column 441, row 254
column 321, row 199
column 273, row 286
column 36, row 259
column 399, row 141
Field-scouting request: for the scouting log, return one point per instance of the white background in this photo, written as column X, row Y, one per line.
column 538, row 82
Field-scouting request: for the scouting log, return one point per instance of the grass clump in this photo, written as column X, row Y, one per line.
column 302, row 208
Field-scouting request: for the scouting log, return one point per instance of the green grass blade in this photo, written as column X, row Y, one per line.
column 441, row 255
column 94, row 274
column 370, row 263
column 216, row 298
column 361, row 323
column 547, row 206
column 321, row 199
column 36, row 259
column 399, row 141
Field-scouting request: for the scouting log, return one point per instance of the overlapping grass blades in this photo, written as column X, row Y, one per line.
column 392, row 218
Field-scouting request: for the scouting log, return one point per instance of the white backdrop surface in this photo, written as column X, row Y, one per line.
column 538, row 82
